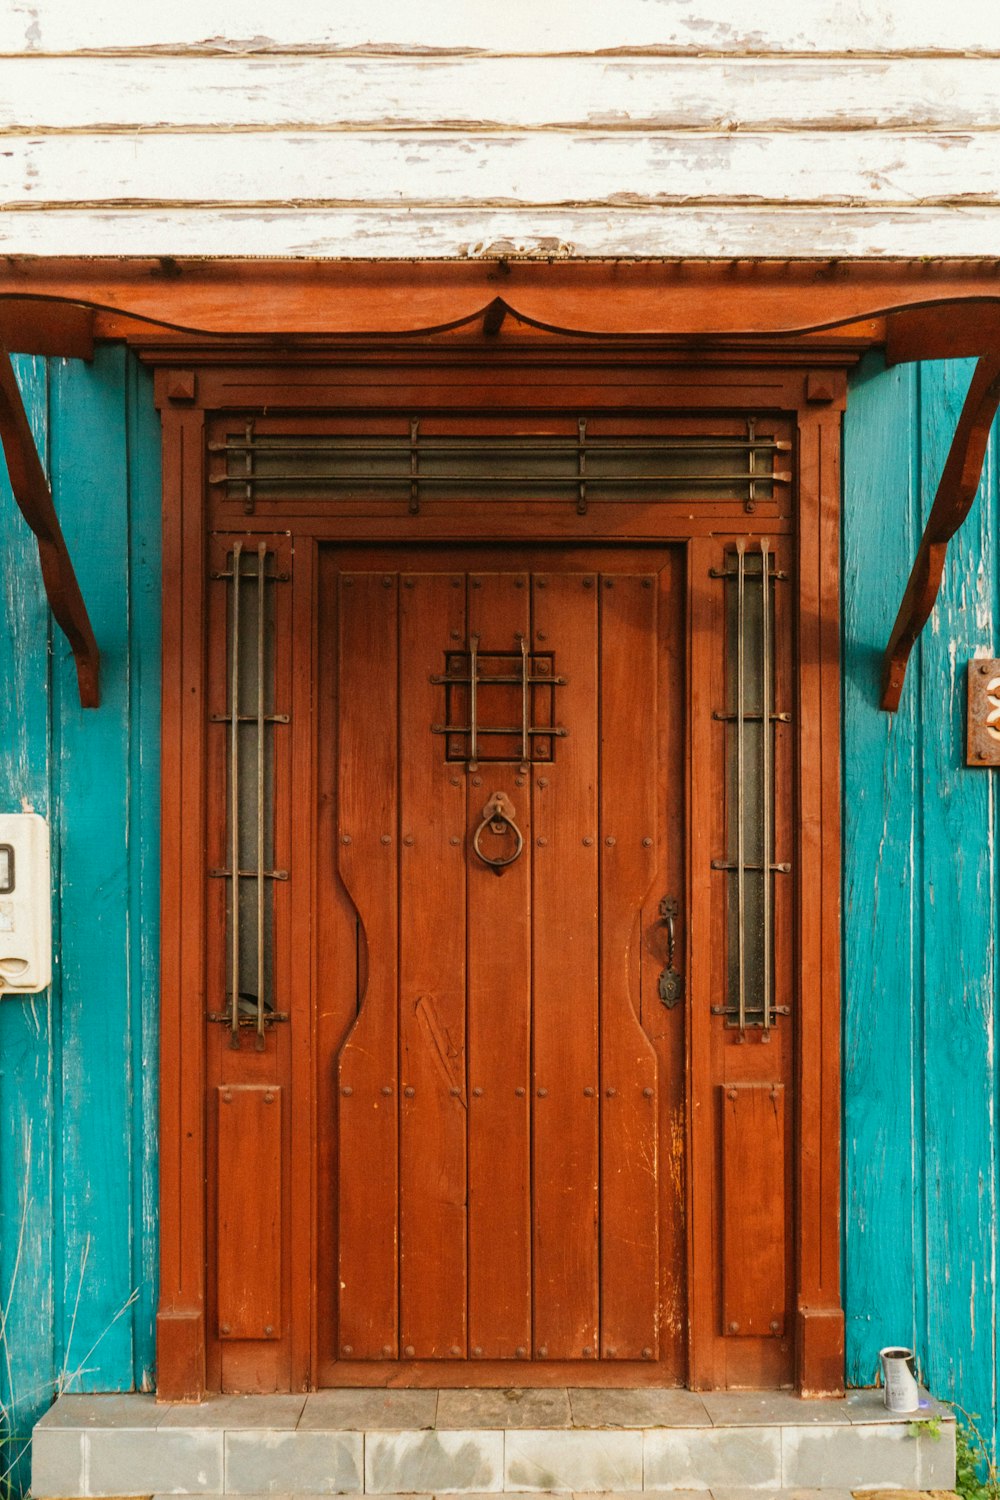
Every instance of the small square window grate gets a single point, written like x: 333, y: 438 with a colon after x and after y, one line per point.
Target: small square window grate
x: 499, y: 706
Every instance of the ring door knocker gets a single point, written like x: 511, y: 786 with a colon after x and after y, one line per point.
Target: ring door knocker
x: 498, y: 817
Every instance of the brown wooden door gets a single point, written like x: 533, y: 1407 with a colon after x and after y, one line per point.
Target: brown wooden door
x: 501, y: 1103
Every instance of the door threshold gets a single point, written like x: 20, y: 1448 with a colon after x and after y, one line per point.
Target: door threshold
x: 425, y: 1442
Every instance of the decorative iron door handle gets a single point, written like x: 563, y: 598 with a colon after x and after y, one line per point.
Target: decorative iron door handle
x: 498, y: 817
x: 671, y: 984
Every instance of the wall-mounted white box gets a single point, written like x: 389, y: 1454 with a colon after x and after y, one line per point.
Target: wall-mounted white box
x: 25, y: 904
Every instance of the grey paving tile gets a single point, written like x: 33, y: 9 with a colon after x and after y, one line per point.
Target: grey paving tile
x: 503, y: 1409
x: 439, y: 1462
x: 850, y: 1457
x: 131, y: 1462
x: 632, y: 1495
x: 576, y: 1460
x: 57, y: 1462
x: 653, y: 1407
x: 773, y: 1493
x: 306, y: 1463
x: 130, y: 1410
x: 770, y: 1409
x: 701, y: 1458
x: 369, y: 1410
x: 869, y: 1406
x: 228, y: 1412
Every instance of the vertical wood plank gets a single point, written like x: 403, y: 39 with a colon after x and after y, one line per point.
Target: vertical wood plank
x: 248, y: 1207
x: 499, y: 987
x: 432, y: 1163
x: 29, y: 1031
x: 629, y: 1099
x: 566, y: 1062
x: 144, y: 500
x: 367, y: 1066
x: 90, y: 483
x: 881, y: 874
x: 958, y: 887
x: 752, y: 1142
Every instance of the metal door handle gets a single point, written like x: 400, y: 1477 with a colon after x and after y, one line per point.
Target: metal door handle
x: 498, y: 816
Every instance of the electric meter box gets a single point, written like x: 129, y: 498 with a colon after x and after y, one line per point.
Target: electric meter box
x: 25, y: 904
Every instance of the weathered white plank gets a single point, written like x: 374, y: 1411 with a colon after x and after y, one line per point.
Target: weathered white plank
x: 722, y: 233
x: 517, y: 26
x: 870, y: 167
x: 668, y: 93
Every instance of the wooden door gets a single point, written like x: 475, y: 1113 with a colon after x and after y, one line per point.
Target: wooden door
x: 501, y: 1101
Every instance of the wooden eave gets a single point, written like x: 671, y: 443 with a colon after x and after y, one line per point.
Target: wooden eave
x: 915, y: 309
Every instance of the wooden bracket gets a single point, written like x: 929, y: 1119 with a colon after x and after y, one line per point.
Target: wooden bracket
x: 955, y: 494
x: 34, y: 500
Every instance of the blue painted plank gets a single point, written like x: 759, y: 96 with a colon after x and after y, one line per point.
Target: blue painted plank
x: 883, y: 1251
x: 26, y: 1078
x: 958, y: 887
x: 88, y: 447
x: 144, y: 845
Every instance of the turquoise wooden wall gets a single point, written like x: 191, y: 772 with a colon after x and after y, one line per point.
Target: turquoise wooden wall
x: 78, y: 1063
x: 920, y: 908
x: 78, y: 1066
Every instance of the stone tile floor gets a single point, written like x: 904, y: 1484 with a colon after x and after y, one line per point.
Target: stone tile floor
x: 429, y: 1442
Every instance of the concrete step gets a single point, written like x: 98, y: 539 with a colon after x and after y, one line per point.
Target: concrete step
x: 490, y: 1442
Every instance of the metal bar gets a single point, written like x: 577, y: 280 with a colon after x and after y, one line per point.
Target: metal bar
x: 732, y: 1010
x: 561, y: 445
x: 525, y: 705
x: 234, y: 800
x: 248, y: 874
x: 779, y: 867
x: 765, y: 773
x: 483, y: 682
x: 779, y: 718
x: 484, y: 729
x: 581, y: 466
x: 778, y: 575
x: 248, y: 718
x: 478, y: 478
x: 473, y: 729
x: 414, y: 467
x: 751, y: 457
x: 248, y: 466
x: 740, y: 849
x: 261, y: 705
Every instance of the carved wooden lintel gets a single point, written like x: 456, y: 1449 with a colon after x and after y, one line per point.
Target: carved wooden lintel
x: 34, y: 500
x: 955, y: 494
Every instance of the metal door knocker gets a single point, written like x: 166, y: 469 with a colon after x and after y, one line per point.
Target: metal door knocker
x: 498, y: 817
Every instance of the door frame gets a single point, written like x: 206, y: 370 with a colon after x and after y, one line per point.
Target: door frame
x: 808, y: 384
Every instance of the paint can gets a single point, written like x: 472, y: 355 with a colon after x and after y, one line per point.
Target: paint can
x: 899, y: 1378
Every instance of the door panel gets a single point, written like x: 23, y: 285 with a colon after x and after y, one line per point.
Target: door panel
x: 499, y: 1009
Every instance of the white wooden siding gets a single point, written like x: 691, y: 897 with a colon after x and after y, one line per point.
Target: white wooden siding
x: 574, y: 127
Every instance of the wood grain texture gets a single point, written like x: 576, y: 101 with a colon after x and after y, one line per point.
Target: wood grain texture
x: 920, y: 898
x: 248, y: 1208
x: 368, y: 1066
x: 630, y: 1149
x: 566, y: 984
x: 801, y: 233
x: 432, y: 970
x: 70, y: 1083
x: 890, y: 169
x: 499, y: 1010
x: 752, y: 1142
x: 185, y: 92
x: 797, y: 26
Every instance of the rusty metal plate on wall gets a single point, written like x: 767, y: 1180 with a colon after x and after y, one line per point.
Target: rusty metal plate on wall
x: 983, y: 738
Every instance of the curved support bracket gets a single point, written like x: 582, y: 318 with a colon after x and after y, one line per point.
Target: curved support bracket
x: 34, y: 500
x: 955, y: 494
